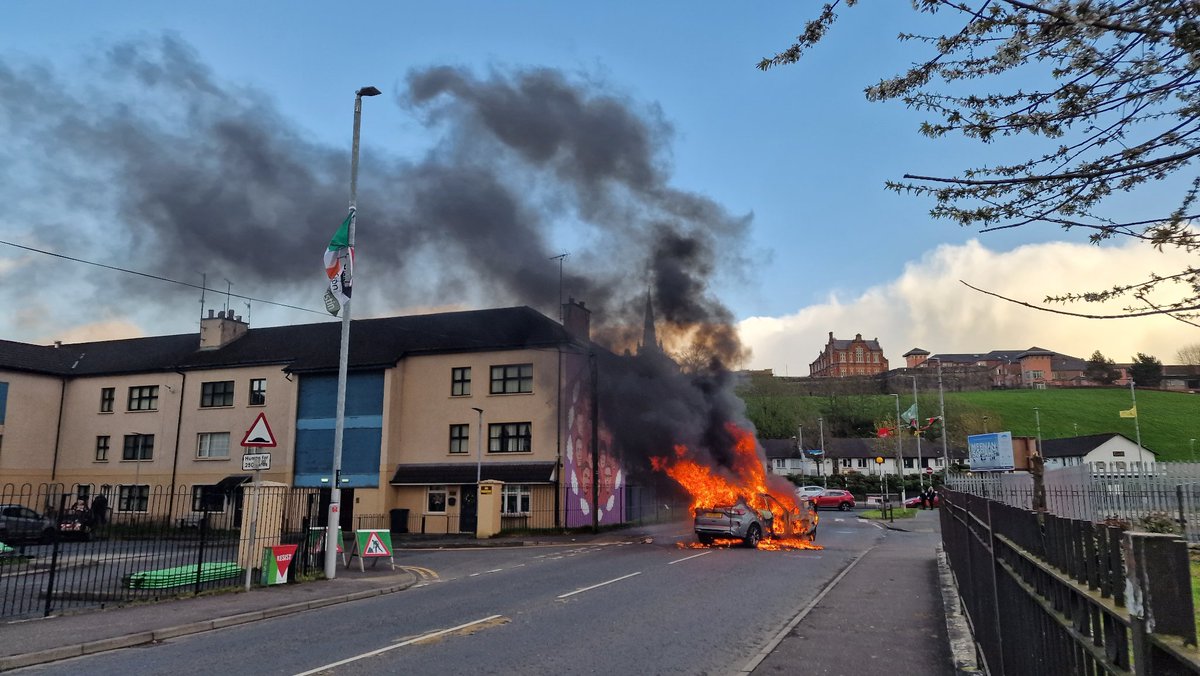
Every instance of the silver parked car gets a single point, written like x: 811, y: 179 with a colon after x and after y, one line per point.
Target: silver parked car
x: 18, y: 522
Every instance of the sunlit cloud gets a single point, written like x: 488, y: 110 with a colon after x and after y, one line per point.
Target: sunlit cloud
x: 928, y: 307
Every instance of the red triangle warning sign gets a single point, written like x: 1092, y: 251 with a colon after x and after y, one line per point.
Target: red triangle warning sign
x: 259, y: 435
x: 375, y: 546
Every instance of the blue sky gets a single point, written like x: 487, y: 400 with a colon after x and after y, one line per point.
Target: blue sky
x: 798, y: 149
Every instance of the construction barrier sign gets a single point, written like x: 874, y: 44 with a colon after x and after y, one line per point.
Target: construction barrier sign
x: 275, y: 563
x: 373, y: 544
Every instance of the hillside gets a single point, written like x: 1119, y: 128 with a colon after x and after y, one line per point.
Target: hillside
x: 1168, y: 420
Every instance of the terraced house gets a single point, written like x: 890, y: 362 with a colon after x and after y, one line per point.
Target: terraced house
x: 433, y: 402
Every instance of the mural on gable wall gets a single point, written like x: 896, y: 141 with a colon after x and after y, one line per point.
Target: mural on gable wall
x: 577, y: 463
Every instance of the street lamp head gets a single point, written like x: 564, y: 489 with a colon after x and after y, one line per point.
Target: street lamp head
x: 368, y: 91
x: 477, y: 409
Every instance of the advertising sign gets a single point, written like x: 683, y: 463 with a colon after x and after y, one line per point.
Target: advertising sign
x: 991, y: 452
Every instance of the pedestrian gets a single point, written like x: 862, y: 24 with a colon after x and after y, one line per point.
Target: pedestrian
x: 100, y: 509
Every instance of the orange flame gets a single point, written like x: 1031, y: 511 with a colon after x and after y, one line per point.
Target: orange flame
x: 746, y: 480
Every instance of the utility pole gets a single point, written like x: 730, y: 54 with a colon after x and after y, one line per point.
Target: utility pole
x: 1136, y: 425
x: 560, y: 258
x: 821, y: 427
x: 945, y: 429
x: 899, y: 453
x: 917, y: 418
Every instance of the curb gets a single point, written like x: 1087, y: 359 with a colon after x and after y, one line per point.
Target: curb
x: 962, y: 642
x: 156, y: 635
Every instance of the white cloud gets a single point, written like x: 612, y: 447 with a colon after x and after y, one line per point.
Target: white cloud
x: 928, y: 307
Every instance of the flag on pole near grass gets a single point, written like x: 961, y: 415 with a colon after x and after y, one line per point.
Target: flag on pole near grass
x: 339, y: 266
x: 910, y: 416
x: 1131, y: 413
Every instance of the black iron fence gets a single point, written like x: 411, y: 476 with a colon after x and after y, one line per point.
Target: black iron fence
x: 89, y: 546
x: 1052, y: 595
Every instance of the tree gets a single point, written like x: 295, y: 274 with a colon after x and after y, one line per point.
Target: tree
x: 1146, y: 370
x: 1114, y: 89
x: 1189, y: 354
x: 1100, y: 369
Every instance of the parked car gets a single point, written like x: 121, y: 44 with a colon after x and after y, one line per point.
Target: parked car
x: 809, y: 491
x: 915, y: 501
x: 18, y: 522
x: 835, y: 497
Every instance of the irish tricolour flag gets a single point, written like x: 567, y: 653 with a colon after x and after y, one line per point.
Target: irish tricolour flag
x: 339, y: 267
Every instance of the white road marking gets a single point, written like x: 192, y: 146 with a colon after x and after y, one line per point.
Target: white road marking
x: 410, y: 641
x: 689, y: 557
x: 580, y: 591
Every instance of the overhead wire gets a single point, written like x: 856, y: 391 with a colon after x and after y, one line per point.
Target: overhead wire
x: 158, y: 277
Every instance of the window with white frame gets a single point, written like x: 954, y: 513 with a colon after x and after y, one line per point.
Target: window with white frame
x: 510, y: 437
x: 102, y: 443
x: 514, y: 500
x: 847, y: 462
x: 908, y: 463
x: 1100, y: 466
x: 143, y: 398
x: 460, y: 438
x: 512, y: 379
x: 133, y: 498
x: 212, y: 445
x: 861, y: 462
x: 435, y: 500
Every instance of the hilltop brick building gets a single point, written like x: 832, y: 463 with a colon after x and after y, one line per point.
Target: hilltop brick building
x: 842, y: 358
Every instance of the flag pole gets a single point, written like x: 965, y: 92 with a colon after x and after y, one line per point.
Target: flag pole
x: 333, y: 518
x: 1137, y: 427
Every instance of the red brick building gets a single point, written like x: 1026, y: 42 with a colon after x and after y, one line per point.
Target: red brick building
x: 842, y: 358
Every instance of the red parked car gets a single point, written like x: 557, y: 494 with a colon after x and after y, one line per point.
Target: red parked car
x: 835, y: 497
x: 915, y: 502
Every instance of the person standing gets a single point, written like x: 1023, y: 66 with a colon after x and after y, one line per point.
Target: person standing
x: 100, y: 509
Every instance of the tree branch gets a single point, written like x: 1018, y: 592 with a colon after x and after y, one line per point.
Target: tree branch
x: 1147, y: 313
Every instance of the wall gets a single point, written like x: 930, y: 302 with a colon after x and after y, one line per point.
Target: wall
x: 27, y: 433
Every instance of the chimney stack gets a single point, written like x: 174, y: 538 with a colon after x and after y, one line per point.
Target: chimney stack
x: 577, y: 319
x: 217, y: 332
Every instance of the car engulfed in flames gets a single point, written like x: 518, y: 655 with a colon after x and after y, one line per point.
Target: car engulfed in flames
x: 741, y: 503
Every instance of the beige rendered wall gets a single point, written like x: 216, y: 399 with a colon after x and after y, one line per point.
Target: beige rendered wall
x: 29, y: 428
x: 178, y: 413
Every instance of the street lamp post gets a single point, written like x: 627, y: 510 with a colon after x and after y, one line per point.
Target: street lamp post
x: 899, y: 453
x: 917, y: 418
x: 478, y: 448
x: 339, y: 428
x: 1038, y: 418
x: 945, y: 429
x: 985, y: 427
x: 821, y: 432
x: 1193, y: 443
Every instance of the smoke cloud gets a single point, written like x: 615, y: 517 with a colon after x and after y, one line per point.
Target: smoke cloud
x: 163, y: 167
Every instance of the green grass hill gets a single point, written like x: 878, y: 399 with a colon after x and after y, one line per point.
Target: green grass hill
x: 1168, y: 420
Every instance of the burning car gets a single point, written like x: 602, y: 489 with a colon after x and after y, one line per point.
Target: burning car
x: 751, y: 524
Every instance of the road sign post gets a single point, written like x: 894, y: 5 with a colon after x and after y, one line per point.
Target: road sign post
x: 258, y: 436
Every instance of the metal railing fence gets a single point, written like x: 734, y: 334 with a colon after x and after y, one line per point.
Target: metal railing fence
x: 1049, y: 595
x: 62, y: 553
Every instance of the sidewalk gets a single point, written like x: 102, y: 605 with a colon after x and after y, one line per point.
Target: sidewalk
x: 885, y: 616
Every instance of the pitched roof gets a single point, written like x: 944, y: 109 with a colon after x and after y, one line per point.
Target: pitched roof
x: 1071, y: 447
x: 780, y: 448
x: 374, y: 343
x: 916, y: 351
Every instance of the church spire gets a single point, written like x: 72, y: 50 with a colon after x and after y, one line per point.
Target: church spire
x: 649, y: 337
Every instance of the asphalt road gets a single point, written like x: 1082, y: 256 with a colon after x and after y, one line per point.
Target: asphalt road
x: 645, y: 608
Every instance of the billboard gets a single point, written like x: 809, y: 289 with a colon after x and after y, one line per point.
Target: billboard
x: 991, y: 452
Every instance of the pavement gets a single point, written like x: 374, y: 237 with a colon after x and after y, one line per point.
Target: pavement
x: 885, y: 613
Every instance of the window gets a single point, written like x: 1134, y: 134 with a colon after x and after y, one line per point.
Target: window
x: 102, y: 443
x: 138, y: 447
x: 460, y: 436
x: 133, y: 498
x: 212, y: 445
x: 435, y: 500
x: 858, y: 354
x: 1100, y: 467
x: 258, y: 391
x: 107, y: 396
x: 1119, y: 466
x: 512, y: 379
x: 218, y: 393
x: 908, y: 463
x: 510, y: 438
x: 460, y: 381
x: 862, y: 462
x: 514, y: 500
x: 207, y: 499
x: 143, y: 398
x: 937, y: 462
x: 846, y: 462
